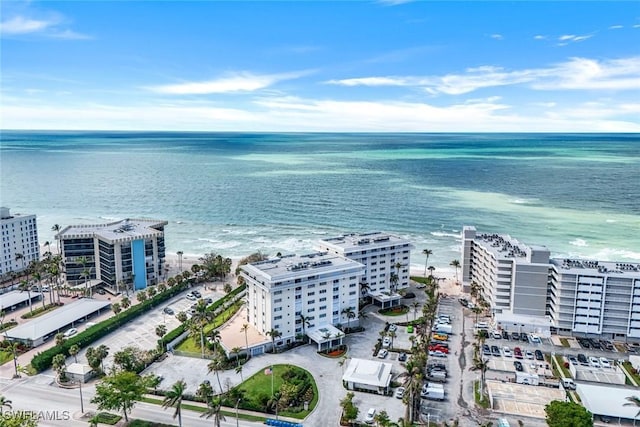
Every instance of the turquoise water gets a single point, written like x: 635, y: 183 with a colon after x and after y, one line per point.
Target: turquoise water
x: 236, y: 193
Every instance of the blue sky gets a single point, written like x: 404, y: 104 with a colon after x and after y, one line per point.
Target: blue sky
x: 321, y: 66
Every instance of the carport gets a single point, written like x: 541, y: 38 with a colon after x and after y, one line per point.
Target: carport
x: 14, y: 299
x: 34, y: 331
x: 598, y: 375
x: 519, y: 399
x: 385, y: 299
x: 608, y: 401
x: 326, y: 334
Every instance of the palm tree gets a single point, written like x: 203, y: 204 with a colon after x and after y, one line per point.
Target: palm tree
x: 236, y: 351
x: 205, y: 391
x: 24, y: 287
x: 392, y: 335
x: 455, y: 264
x: 633, y: 401
x: 351, y: 314
x: 214, y: 410
x: 4, y: 402
x: 245, y: 329
x: 173, y: 399
x: 364, y: 288
x: 60, y: 339
x: 393, y: 279
x: 125, y: 302
x: 56, y: 229
x: 274, y: 334
x: 415, y: 306
x: 426, y: 252
x: 431, y: 270
x: 73, y: 351
x: 239, y: 371
x: 161, y: 331
x: 216, y: 365
x: 305, y: 322
x: 59, y: 365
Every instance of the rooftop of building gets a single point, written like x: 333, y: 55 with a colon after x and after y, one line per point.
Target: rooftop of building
x: 13, y: 298
x: 290, y: 266
x: 123, y: 230
x: 376, y: 239
x: 368, y: 372
x: 585, y: 266
x: 56, y: 320
x: 504, y: 246
x: 5, y: 213
x: 608, y: 400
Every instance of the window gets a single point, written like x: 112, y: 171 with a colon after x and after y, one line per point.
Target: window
x: 277, y: 293
x: 323, y: 299
x: 276, y: 301
x: 311, y: 310
x: 277, y: 318
x: 311, y: 301
x: 277, y: 309
x: 323, y: 307
x: 322, y: 316
x: 323, y: 291
x: 310, y: 294
x: 352, y: 293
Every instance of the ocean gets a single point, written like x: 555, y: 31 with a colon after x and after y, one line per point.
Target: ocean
x: 237, y: 193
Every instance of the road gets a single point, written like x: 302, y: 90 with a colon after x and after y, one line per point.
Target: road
x: 61, y: 407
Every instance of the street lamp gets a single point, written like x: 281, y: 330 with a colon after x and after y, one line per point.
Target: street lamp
x: 81, y: 402
x: 237, y: 420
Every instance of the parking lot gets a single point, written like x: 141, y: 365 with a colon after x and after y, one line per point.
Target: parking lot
x: 524, y: 400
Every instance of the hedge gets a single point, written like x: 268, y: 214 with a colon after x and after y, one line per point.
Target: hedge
x: 43, y: 360
x: 175, y: 333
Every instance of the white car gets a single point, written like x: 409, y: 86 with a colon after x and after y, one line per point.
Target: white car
x: 382, y: 354
x: 393, y: 327
x: 400, y: 392
x: 386, y: 342
x: 70, y: 332
x: 371, y: 413
x: 528, y: 354
x: 604, y: 362
x: 594, y: 362
x: 507, y: 352
x: 191, y: 297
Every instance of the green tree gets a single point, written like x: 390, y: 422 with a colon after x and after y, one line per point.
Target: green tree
x: 116, y: 308
x: 173, y: 399
x: 455, y: 264
x: 129, y: 359
x: 567, y: 414
x: 349, y: 410
x: 161, y: 330
x: 633, y: 401
x: 73, y: 351
x: 60, y: 339
x: 205, y: 391
x: 59, y: 365
x: 4, y: 402
x: 125, y: 302
x: 216, y: 365
x: 152, y: 291
x: 426, y: 252
x: 16, y: 419
x: 214, y: 409
x: 141, y: 296
x: 119, y: 391
x: 200, y: 319
x: 245, y: 329
x: 382, y: 418
x: 227, y: 288
x: 351, y: 314
x: 274, y: 334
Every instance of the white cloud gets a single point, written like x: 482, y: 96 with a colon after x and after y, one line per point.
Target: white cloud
x: 232, y: 83
x: 288, y: 113
x: 574, y: 74
x: 69, y: 35
x: 539, y: 37
x: 616, y: 27
x: 497, y: 36
x: 572, y: 38
x: 394, y: 2
x: 22, y: 25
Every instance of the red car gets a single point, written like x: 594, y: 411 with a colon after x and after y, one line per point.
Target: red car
x: 517, y: 353
x: 439, y: 348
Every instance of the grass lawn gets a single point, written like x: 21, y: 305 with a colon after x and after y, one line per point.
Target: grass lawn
x: 560, y: 362
x: 39, y: 311
x: 258, y: 388
x: 564, y: 342
x: 192, y: 344
x: 629, y: 367
x: 107, y: 418
x: 8, y: 325
x: 143, y: 423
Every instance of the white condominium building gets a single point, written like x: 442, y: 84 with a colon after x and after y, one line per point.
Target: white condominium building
x: 130, y: 250
x: 318, y: 286
x: 385, y: 257
x: 595, y: 297
x: 19, y: 241
x: 512, y: 276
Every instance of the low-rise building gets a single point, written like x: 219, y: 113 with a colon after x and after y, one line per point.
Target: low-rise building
x: 367, y: 375
x: 292, y: 293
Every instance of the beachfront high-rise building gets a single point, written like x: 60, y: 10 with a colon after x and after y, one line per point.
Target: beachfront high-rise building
x: 385, y: 257
x: 321, y: 287
x: 512, y: 276
x: 19, y: 241
x: 114, y: 254
x: 595, y: 298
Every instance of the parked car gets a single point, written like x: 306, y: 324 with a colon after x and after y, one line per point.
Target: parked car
x: 382, y: 353
x: 393, y: 327
x: 486, y: 350
x: 524, y: 337
x: 371, y: 414
x: 438, y: 353
x: 438, y: 348
x: 535, y: 339
x: 604, y: 362
x: 505, y: 335
x: 168, y: 310
x: 506, y: 351
x: 402, y: 357
x: 495, y: 351
x: 539, y: 355
x: 100, y: 291
x: 386, y: 342
x: 517, y: 353
x: 208, y: 300
x: 463, y: 302
x: 496, y: 335
x: 594, y: 362
x: 583, y: 359
x: 572, y: 360
x: 515, y: 336
x: 518, y: 365
x: 70, y: 332
x: 197, y: 294
x: 528, y: 354
x: 191, y: 297
x: 399, y: 392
